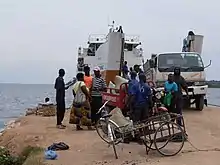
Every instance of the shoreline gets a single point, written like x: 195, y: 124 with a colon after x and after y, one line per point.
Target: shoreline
x: 11, y: 124
x: 15, y: 122
x: 202, y: 128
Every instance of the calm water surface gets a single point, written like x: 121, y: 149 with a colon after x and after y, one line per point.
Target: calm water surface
x: 15, y: 98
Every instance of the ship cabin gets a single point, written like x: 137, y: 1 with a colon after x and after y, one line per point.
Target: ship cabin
x: 131, y: 42
x: 94, y: 41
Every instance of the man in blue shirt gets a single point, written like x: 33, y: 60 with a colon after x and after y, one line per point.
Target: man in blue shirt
x: 170, y: 85
x: 170, y: 88
x: 141, y: 99
x: 131, y: 83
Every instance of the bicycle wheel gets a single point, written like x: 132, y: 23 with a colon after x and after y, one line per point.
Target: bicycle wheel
x: 102, y: 130
x: 169, y: 133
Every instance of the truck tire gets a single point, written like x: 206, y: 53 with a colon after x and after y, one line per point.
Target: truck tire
x: 199, y: 100
x: 186, y: 104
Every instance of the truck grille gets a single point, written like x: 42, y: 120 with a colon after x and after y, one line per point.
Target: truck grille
x: 190, y: 83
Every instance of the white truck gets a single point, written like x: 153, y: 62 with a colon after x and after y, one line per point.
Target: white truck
x: 192, y: 68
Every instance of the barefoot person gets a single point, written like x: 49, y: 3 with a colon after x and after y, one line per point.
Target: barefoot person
x: 60, y: 98
x: 81, y: 111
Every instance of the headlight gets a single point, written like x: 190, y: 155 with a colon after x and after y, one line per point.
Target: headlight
x: 200, y: 83
x: 162, y: 93
x: 158, y: 95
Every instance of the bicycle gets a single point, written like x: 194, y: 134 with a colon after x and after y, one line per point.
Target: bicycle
x: 156, y: 134
x: 107, y: 127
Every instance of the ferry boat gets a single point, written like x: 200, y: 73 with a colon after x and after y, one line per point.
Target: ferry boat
x: 110, y: 51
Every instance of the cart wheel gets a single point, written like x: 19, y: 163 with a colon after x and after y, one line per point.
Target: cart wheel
x: 149, y: 138
x: 102, y: 130
x: 169, y: 134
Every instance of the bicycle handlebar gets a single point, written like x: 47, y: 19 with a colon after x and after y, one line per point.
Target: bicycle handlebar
x: 103, y: 106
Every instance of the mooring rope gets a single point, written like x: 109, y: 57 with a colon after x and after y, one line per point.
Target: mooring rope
x: 200, y: 150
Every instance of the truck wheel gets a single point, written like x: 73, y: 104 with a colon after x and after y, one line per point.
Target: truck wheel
x: 186, y: 104
x: 199, y: 102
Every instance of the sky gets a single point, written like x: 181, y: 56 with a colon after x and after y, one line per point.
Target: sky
x: 40, y: 36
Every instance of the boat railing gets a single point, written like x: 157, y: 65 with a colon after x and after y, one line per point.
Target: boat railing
x: 97, y: 38
x: 132, y: 38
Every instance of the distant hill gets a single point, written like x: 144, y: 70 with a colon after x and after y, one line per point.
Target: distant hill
x: 213, y: 84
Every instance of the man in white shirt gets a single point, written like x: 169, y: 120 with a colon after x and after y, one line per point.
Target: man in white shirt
x: 46, y: 102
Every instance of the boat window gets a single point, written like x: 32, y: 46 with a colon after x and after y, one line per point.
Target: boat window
x: 80, y: 64
x: 128, y: 47
x: 91, y: 50
x: 97, y: 46
x: 188, y: 62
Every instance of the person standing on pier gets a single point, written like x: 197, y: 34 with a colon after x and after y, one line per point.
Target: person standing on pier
x: 137, y: 70
x: 87, y: 77
x: 133, y: 81
x: 125, y: 70
x: 81, y: 112
x: 60, y: 98
x: 170, y: 88
x: 141, y: 99
x: 98, y: 86
x: 181, y: 83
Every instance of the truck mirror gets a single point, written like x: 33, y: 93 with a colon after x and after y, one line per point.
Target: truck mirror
x: 210, y: 63
x: 155, y: 62
x: 151, y: 63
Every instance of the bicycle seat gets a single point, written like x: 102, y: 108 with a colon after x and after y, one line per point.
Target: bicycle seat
x: 107, y: 116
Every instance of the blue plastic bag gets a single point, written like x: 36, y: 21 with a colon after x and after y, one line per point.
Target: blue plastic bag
x: 50, y: 155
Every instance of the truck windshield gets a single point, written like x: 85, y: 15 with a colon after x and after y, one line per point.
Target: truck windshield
x: 188, y: 62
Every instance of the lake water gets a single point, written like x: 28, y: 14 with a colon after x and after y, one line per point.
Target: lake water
x: 15, y: 98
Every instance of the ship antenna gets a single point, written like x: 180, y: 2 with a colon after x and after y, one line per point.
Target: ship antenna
x: 113, y: 25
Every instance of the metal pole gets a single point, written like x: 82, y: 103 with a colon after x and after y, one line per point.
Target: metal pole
x: 122, y: 50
